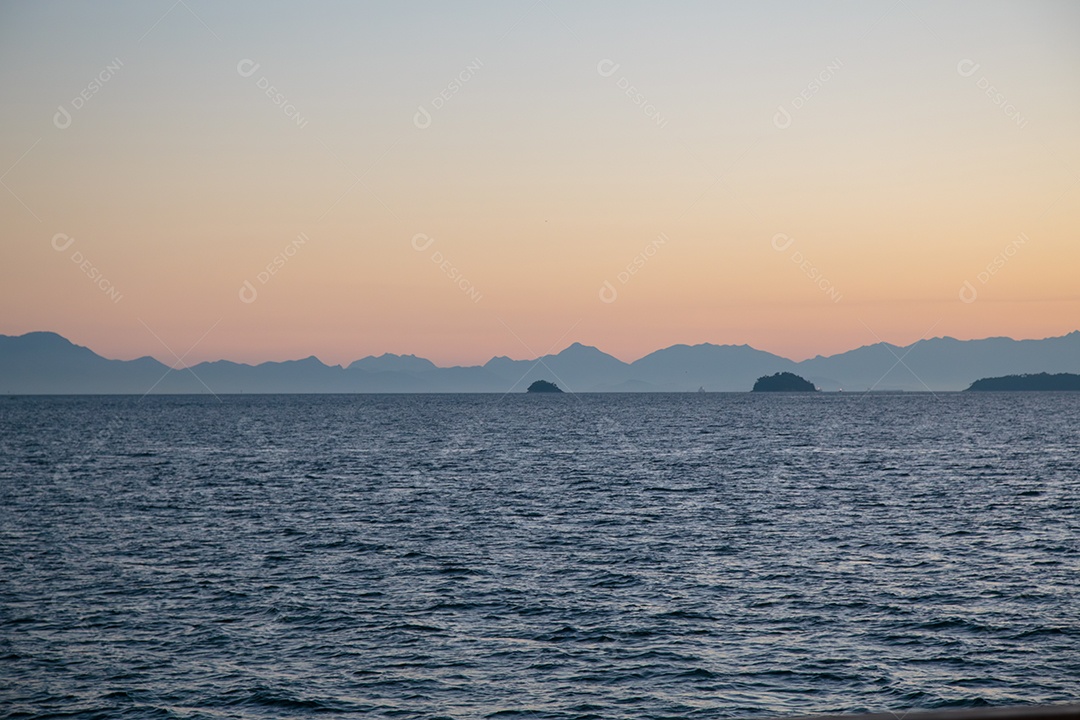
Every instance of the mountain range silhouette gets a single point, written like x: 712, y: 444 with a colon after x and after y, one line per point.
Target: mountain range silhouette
x: 47, y: 363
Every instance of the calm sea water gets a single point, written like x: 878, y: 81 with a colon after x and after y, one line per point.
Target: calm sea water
x: 607, y: 556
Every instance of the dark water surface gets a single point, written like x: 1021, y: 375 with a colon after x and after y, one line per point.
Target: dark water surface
x: 608, y: 556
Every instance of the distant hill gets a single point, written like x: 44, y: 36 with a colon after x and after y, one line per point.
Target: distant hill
x: 684, y: 368
x: 1039, y: 381
x: 578, y: 368
x: 543, y: 386
x: 388, y: 362
x: 941, y: 363
x: 783, y: 382
x: 46, y: 363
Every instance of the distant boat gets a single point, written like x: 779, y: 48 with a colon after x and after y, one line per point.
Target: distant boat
x: 701, y: 389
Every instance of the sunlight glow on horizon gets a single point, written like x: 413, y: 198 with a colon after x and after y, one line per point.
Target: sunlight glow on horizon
x: 802, y: 180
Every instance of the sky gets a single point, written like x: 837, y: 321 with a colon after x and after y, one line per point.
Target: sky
x: 195, y: 180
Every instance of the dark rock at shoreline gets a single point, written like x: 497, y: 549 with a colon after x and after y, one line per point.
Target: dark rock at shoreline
x: 543, y: 386
x: 1037, y: 381
x: 783, y: 382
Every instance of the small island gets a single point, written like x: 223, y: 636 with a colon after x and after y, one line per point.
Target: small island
x: 543, y: 386
x: 1035, y: 382
x: 783, y: 382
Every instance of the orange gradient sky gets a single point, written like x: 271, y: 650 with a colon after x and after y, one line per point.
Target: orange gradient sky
x: 819, y: 177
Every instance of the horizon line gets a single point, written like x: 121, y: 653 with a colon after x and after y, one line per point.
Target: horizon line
x: 550, y: 354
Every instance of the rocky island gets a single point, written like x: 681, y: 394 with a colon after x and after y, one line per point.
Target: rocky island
x: 783, y: 382
x: 543, y: 386
x: 1037, y: 381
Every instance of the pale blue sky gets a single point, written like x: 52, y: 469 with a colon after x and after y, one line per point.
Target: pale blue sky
x: 900, y: 176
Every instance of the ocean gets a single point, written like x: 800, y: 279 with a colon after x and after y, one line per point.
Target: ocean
x: 537, y: 556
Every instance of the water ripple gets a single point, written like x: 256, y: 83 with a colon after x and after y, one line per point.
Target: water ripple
x: 698, y: 556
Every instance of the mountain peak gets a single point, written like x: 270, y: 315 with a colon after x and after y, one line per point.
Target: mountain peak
x: 45, y: 362
x: 587, y: 354
x: 579, y: 348
x: 41, y: 337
